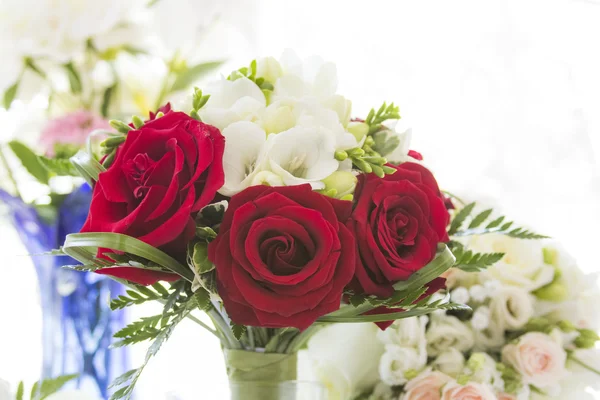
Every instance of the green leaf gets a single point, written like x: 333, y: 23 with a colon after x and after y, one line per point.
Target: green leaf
x: 357, y: 299
x: 30, y: 161
x: 87, y: 167
x: 460, y: 218
x: 474, y: 262
x: 75, y: 243
x: 480, y: 218
x: 189, y: 76
x: 385, y: 142
x: 20, y: 391
x: 40, y: 391
x: 175, y: 296
x: 29, y: 63
x: 58, y: 166
x: 10, y: 94
x: 143, y: 296
x: 74, y: 78
x: 107, y: 97
x: 238, y: 330
x: 200, y: 259
x: 414, y: 312
x: 202, y: 298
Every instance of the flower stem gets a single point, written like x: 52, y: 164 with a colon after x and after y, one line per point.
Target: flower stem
x: 584, y: 365
x: 9, y: 172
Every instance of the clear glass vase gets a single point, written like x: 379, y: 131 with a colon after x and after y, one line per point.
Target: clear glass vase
x: 288, y: 390
x: 256, y: 375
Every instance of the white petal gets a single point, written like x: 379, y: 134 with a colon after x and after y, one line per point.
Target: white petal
x: 225, y: 93
x: 244, y: 142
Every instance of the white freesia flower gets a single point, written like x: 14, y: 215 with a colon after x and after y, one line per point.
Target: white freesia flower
x: 478, y: 293
x: 460, y: 295
x: 450, y: 362
x: 346, y: 367
x: 427, y: 386
x: 538, y: 358
x: 470, y: 391
x: 447, y: 331
x: 399, y: 363
x: 232, y: 101
x: 302, y: 155
x: 404, y: 137
x: 512, y: 307
x: 243, y: 157
x: 523, y: 264
x: 382, y: 391
x: 269, y: 69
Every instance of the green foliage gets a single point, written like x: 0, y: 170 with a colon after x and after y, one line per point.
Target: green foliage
x: 20, y: 391
x: 476, y: 225
x: 142, y: 295
x: 107, y: 97
x: 386, y: 112
x: 238, y: 330
x: 74, y: 78
x: 198, y: 101
x: 469, y: 261
x: 30, y: 161
x: 120, y: 126
x: 250, y: 73
x: 366, y: 160
x: 125, y: 384
x: 189, y: 75
x: 45, y: 388
x: 58, y: 166
x: 10, y: 94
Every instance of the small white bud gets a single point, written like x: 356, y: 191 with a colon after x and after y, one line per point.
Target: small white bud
x: 478, y: 293
x: 481, y: 318
x: 460, y: 295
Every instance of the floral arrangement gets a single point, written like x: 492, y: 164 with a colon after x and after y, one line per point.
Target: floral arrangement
x: 269, y: 208
x: 529, y: 333
x: 50, y: 389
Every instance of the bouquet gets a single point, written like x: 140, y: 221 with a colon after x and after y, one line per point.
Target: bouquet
x: 529, y: 333
x: 267, y: 206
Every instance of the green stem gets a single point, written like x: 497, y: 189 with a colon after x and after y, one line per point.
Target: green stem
x: 584, y: 365
x: 224, y: 328
x: 9, y: 172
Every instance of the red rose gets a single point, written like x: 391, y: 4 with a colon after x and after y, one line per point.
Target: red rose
x: 162, y: 175
x: 398, y: 221
x: 283, y: 256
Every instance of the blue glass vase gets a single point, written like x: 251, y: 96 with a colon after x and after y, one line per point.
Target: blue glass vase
x: 78, y: 325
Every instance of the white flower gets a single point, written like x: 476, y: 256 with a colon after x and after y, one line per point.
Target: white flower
x: 346, y: 367
x: 460, y: 295
x: 481, y: 318
x: 491, y: 338
x: 269, y: 69
x: 302, y: 155
x: 59, y: 29
x: 407, y: 332
x: 450, y: 362
x: 400, y: 153
x: 470, y: 391
x: 5, y: 390
x: 232, y: 101
x: 512, y: 307
x: 243, y: 158
x: 523, y: 394
x: 398, y: 363
x: 522, y: 265
x: 579, y: 294
x: 381, y: 392
x: 447, y: 331
x: 491, y: 287
x: 538, y: 358
x: 478, y: 293
x: 482, y: 368
x: 427, y: 386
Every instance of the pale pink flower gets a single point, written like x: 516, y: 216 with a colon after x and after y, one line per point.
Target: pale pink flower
x: 538, y: 358
x: 470, y: 391
x: 506, y: 396
x: 72, y: 128
x: 427, y: 386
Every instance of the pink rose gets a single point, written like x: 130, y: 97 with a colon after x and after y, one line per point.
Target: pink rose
x: 538, y: 358
x: 470, y: 391
x: 506, y: 396
x: 427, y: 386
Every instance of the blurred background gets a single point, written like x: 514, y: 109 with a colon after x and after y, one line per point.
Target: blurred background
x: 503, y: 98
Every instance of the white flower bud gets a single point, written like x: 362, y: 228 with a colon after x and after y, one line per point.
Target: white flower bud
x: 450, y: 362
x: 460, y: 295
x: 268, y: 68
x: 512, y: 307
x: 478, y: 293
x: 481, y: 318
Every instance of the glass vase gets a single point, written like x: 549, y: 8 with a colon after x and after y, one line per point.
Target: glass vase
x: 256, y: 375
x: 77, y: 323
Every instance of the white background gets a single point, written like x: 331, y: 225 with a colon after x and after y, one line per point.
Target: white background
x: 504, y: 101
